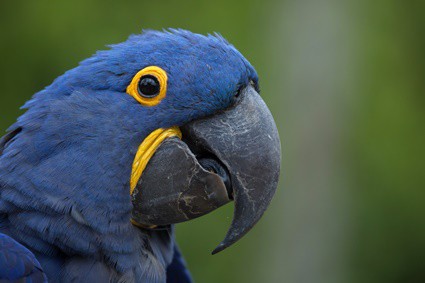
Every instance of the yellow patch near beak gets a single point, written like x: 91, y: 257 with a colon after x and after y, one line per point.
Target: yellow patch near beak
x: 146, y: 151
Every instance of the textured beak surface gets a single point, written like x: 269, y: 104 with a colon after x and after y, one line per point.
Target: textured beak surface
x: 176, y: 188
x: 234, y: 154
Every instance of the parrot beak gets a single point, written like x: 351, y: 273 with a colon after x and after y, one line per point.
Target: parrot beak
x: 233, y: 155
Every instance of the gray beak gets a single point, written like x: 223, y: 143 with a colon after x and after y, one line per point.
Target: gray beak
x: 233, y: 155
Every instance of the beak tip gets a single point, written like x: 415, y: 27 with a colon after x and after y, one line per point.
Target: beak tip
x: 219, y: 248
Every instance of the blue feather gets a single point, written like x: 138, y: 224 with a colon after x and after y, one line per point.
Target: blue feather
x: 65, y: 164
x: 177, y: 271
x: 17, y: 263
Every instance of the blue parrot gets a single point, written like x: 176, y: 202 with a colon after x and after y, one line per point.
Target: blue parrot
x: 160, y: 129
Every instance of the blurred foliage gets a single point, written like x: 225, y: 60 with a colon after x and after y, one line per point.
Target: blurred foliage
x: 388, y: 145
x: 382, y: 149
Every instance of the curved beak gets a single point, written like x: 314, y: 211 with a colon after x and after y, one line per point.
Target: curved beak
x: 233, y: 155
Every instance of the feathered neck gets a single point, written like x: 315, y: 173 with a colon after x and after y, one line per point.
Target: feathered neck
x: 64, y: 184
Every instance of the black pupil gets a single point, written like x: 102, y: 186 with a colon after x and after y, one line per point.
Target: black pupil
x: 148, y: 86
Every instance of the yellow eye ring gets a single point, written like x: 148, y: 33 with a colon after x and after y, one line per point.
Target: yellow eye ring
x: 150, y: 75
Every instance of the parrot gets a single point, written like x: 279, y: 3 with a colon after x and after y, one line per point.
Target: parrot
x: 160, y: 129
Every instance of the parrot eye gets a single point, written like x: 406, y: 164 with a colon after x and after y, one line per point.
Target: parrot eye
x: 149, y: 86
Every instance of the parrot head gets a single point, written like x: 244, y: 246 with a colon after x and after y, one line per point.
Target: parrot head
x: 160, y: 129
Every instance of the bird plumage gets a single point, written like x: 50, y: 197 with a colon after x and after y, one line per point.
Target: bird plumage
x: 65, y: 164
x: 18, y: 264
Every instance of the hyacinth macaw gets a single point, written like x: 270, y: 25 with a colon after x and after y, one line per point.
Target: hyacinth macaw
x: 160, y: 129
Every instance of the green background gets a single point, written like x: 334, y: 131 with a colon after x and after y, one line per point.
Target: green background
x: 345, y: 82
